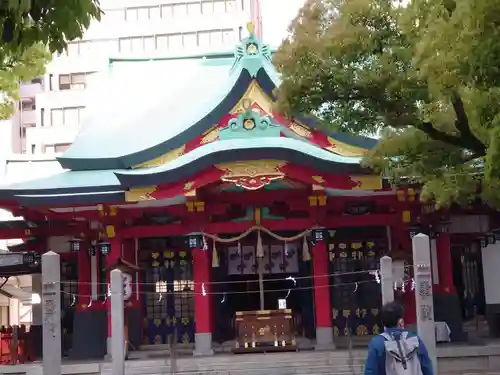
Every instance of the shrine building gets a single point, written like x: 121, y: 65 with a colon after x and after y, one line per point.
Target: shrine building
x: 221, y: 212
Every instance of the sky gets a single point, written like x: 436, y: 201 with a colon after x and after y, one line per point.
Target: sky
x: 276, y: 16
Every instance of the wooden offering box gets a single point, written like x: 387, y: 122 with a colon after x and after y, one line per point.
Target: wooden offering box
x: 264, y: 331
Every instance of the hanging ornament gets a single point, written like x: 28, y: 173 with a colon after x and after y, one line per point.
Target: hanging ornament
x: 90, y: 303
x: 223, y: 297
x: 412, y: 284
x: 294, y: 284
x: 376, y: 275
x: 161, y: 297
x: 356, y: 287
x: 286, y: 248
x: 73, y: 300
x: 204, y: 243
x: 215, y: 256
x: 260, y: 248
x: 203, y: 290
x: 239, y: 248
x: 306, y: 255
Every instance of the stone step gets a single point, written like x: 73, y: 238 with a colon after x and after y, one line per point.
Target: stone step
x: 334, y: 362
x: 290, y: 369
x: 249, y: 361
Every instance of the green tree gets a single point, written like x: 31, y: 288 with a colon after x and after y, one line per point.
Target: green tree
x: 30, y: 31
x: 424, y: 76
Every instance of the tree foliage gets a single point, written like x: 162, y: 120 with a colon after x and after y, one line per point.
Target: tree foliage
x: 424, y: 76
x: 30, y: 30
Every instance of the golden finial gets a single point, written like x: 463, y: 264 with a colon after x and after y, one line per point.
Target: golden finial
x: 250, y: 27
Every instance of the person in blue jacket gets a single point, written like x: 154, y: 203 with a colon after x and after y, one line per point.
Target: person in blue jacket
x: 392, y: 319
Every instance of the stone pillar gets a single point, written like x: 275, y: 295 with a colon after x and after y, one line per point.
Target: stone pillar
x: 202, y: 310
x: 111, y: 258
x: 322, y: 302
x: 386, y: 279
x: 423, y: 294
x: 51, y: 305
x: 117, y: 322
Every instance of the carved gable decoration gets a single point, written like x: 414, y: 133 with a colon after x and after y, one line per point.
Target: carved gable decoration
x: 249, y: 124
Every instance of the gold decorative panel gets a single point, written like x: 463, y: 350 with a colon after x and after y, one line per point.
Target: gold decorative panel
x: 252, y: 175
x: 161, y: 160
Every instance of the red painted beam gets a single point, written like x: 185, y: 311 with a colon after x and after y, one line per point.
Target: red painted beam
x: 273, y: 225
x: 15, y: 233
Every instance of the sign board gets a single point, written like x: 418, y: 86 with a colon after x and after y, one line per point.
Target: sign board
x: 282, y: 304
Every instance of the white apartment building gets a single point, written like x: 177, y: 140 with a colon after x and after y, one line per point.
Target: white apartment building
x: 51, y: 108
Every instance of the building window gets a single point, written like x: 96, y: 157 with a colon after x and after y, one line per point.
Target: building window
x: 194, y: 9
x: 180, y: 10
x: 61, y: 147
x: 219, y: 6
x: 162, y: 42
x: 48, y: 149
x: 155, y: 13
x: 74, y: 81
x: 167, y: 11
x: 114, y: 15
x: 207, y: 6
x: 67, y: 116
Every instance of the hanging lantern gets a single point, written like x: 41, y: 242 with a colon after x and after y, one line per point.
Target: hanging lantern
x: 75, y: 244
x: 195, y: 241
x: 318, y: 235
x: 496, y: 234
x: 483, y: 242
x: 91, y: 250
x: 104, y: 247
x: 444, y: 226
x: 414, y: 231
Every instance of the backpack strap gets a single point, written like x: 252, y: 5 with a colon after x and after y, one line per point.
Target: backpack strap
x: 387, y: 337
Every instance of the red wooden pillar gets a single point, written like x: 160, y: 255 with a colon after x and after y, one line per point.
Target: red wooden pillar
x: 84, y: 277
x: 322, y: 303
x: 202, y: 297
x: 444, y: 263
x: 111, y: 258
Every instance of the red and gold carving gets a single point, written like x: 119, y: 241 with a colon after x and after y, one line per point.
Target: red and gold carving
x: 252, y: 175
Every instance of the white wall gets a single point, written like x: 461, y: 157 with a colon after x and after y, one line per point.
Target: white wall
x: 491, y: 267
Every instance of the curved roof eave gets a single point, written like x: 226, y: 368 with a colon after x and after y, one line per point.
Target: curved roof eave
x: 268, y: 79
x: 279, y: 148
x: 71, y: 199
x: 67, y: 182
x: 230, y: 99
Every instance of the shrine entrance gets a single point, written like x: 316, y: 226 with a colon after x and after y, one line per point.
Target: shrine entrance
x: 248, y: 283
x: 168, y: 287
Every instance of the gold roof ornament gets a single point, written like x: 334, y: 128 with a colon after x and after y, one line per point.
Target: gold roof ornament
x: 250, y: 27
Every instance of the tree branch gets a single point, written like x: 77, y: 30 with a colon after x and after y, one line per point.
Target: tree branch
x: 462, y: 124
x: 444, y: 137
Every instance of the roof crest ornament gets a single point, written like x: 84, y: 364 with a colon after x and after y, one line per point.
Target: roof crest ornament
x: 251, y: 53
x: 249, y: 124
